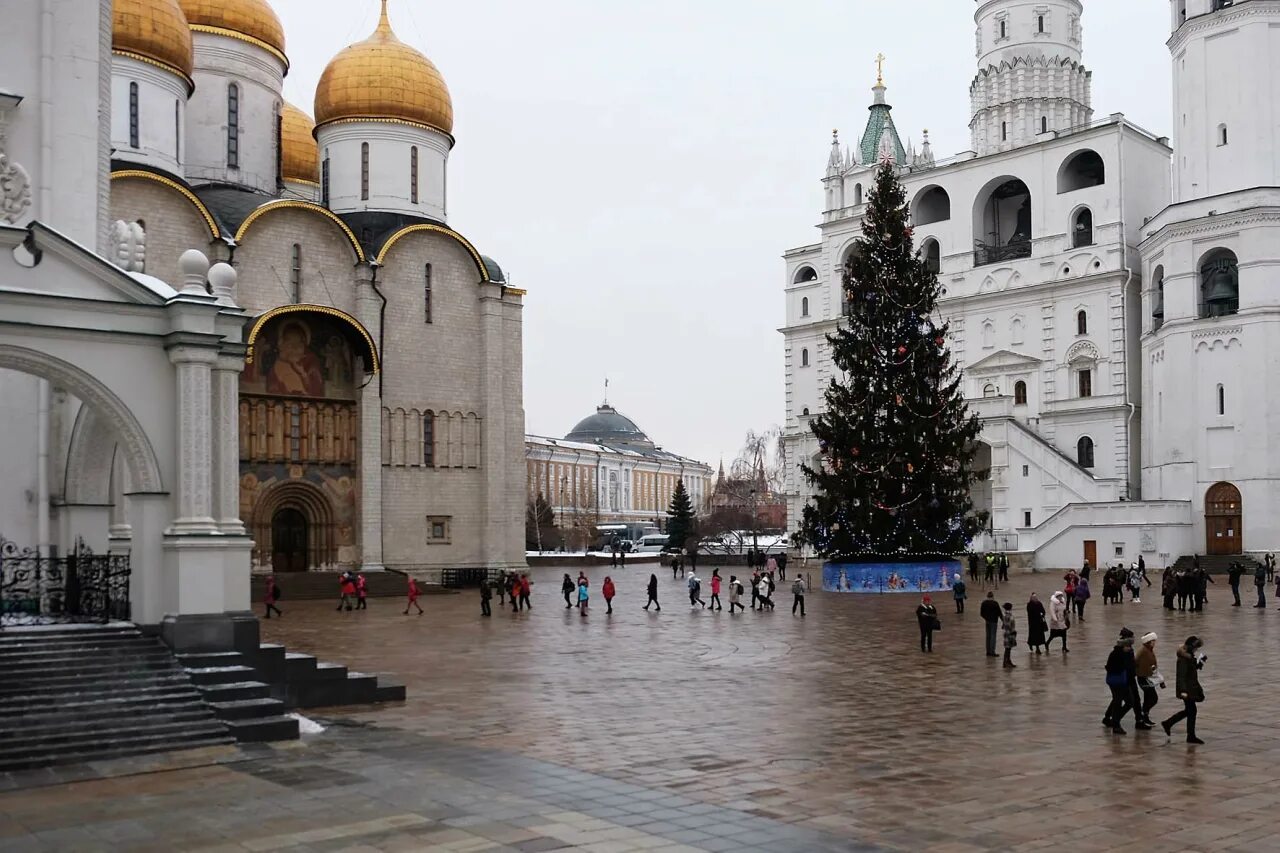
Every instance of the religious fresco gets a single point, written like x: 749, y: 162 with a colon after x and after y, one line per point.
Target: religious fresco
x: 927, y: 576
x: 338, y: 486
x: 299, y: 355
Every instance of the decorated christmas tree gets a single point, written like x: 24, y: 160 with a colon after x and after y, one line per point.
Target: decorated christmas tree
x: 680, y: 519
x: 897, y: 439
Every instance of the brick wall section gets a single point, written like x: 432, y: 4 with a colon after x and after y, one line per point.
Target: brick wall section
x: 173, y: 224
x: 264, y: 260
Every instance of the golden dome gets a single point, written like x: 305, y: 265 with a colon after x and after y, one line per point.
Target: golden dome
x: 380, y: 79
x: 248, y: 20
x: 153, y: 31
x: 299, y: 154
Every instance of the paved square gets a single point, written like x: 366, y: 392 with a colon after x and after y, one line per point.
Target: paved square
x: 696, y: 730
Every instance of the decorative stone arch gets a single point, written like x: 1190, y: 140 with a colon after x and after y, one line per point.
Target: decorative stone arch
x: 367, y: 349
x: 144, y: 466
x: 142, y: 174
x: 1082, y: 351
x: 315, y: 506
x: 90, y: 460
x: 466, y: 244
x: 308, y: 206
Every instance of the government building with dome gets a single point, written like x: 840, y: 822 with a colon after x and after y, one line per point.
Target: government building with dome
x: 379, y: 410
x: 608, y: 475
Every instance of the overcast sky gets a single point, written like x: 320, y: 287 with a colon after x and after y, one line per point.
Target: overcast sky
x: 639, y: 166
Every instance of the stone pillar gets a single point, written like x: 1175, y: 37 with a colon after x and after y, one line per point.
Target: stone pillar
x: 369, y: 313
x: 493, y: 459
x: 194, y: 509
x: 119, y: 531
x: 148, y: 515
x: 226, y: 443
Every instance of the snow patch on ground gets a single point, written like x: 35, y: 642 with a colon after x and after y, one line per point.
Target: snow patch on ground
x: 307, y: 726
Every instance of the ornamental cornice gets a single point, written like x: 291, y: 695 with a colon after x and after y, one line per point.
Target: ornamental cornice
x: 1208, y: 225
x: 1223, y: 17
x: 1217, y: 333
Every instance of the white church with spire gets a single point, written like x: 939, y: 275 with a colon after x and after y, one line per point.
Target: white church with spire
x: 1089, y: 288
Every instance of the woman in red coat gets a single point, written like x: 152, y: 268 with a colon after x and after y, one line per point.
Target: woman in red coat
x: 348, y: 588
x: 608, y: 592
x: 413, y: 597
x: 272, y: 596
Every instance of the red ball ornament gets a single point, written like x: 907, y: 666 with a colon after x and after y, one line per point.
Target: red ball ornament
x: 939, y: 340
x: 902, y: 350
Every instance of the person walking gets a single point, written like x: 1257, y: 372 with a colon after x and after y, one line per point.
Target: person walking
x: 1234, y: 572
x: 608, y: 591
x: 1059, y: 619
x: 960, y: 591
x: 502, y: 585
x: 1149, y: 678
x: 990, y: 612
x: 568, y: 587
x: 1004, y: 567
x: 1190, y: 662
x: 1259, y: 580
x: 675, y: 566
x: 764, y: 593
x: 526, y: 587
x: 1010, y: 635
x: 693, y: 557
x: 513, y: 591
x: 797, y: 595
x: 990, y: 575
x: 1270, y: 562
x: 973, y: 567
x: 584, y: 598
x: 486, y: 595
x: 695, y: 591
x: 347, y: 587
x: 362, y: 593
x: 1081, y: 597
x: 271, y: 596
x: 1036, y: 626
x: 613, y: 557
x: 1121, y: 671
x: 735, y: 594
x: 412, y: 594
x: 755, y: 591
x: 653, y: 593
x: 927, y: 616
x: 715, y: 590
x: 782, y: 566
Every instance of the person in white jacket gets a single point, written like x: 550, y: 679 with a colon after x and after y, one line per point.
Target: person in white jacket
x: 763, y: 589
x: 1059, y: 620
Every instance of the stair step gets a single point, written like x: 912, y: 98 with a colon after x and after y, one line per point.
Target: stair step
x: 101, y: 752
x: 53, y: 659
x: 23, y: 651
x: 234, y: 691
x: 90, y: 705
x: 91, y: 693
x: 88, y: 668
x: 82, y: 740
x: 62, y: 685
x: 211, y: 659
x: 220, y: 674
x: 388, y: 690
x: 329, y: 672
x: 39, y: 728
x: 243, y: 709
x: 263, y: 729
x: 44, y: 640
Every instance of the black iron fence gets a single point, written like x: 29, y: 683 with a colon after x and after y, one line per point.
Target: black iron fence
x: 79, y: 587
x: 985, y: 255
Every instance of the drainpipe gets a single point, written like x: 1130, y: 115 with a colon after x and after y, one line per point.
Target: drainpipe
x: 382, y: 325
x: 1124, y: 320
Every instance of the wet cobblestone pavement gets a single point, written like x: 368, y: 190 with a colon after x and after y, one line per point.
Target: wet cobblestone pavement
x: 691, y: 730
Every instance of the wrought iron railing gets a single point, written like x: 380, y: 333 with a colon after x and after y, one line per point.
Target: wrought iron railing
x: 983, y: 254
x: 80, y: 587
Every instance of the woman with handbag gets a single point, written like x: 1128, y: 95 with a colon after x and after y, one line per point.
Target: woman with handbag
x: 1059, y: 619
x: 1190, y: 662
x: 927, y: 616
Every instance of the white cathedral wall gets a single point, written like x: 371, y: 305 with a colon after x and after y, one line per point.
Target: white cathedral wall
x: 18, y: 470
x: 173, y: 225
x: 264, y: 260
x: 390, y: 168
x: 220, y: 61
x: 162, y: 102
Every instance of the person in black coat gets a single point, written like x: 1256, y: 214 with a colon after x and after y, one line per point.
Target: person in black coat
x: 927, y: 616
x: 1037, y: 626
x: 653, y: 593
x: 1122, y: 679
x: 1190, y: 662
x: 990, y: 613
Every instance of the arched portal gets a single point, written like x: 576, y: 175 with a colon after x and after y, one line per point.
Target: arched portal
x: 289, y: 539
x: 293, y: 528
x: 1223, y: 519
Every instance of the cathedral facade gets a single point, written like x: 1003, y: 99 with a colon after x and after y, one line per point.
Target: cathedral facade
x: 1056, y: 238
x: 380, y: 407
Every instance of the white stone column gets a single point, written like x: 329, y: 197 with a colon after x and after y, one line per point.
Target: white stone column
x: 119, y: 531
x: 194, y: 506
x: 226, y: 443
x: 369, y: 313
x: 494, y: 438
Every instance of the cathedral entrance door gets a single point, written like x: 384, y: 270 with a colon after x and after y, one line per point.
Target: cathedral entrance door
x: 1223, y: 517
x: 289, y: 541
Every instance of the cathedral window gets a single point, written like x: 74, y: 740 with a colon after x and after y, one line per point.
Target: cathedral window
x: 1157, y: 300
x: 1039, y: 23
x: 177, y: 130
x: 857, y: 194
x: 805, y: 274
x: 279, y: 147
x: 1082, y: 228
x: 233, y: 126
x: 324, y: 179
x: 1019, y: 393
x: 932, y: 256
x: 1083, y: 170
x: 1004, y: 131
x: 1044, y: 124
x: 1222, y: 400
x: 804, y: 358
x: 1084, y: 382
x: 429, y: 439
x: 1082, y: 323
x: 932, y: 205
x: 804, y: 307
x: 1084, y: 452
x: 426, y: 294
x: 990, y: 390
x: 1015, y: 331
x: 133, y: 115
x: 988, y: 335
x: 295, y: 274
x: 1222, y: 134
x: 364, y: 171
x: 1004, y: 29
x: 413, y: 174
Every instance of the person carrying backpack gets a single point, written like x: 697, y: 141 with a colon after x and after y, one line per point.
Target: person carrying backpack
x: 797, y: 595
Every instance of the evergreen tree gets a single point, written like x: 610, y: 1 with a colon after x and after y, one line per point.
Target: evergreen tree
x: 679, y: 518
x: 897, y: 438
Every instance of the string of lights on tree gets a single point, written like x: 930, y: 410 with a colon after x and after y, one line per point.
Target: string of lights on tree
x: 897, y: 439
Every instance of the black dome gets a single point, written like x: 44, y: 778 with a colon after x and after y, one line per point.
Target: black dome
x: 606, y: 426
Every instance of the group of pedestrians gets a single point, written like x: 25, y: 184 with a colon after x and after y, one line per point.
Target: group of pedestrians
x: 1129, y: 672
x: 1262, y: 575
x: 515, y: 586
x: 766, y: 562
x: 578, y: 593
x: 991, y: 567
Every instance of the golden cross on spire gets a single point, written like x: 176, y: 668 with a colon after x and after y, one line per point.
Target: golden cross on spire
x: 880, y: 69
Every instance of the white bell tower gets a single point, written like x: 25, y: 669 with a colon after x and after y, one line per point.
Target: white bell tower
x: 1030, y: 78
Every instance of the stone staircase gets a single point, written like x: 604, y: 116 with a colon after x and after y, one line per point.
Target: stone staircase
x: 1217, y: 564
x: 85, y: 693
x: 236, y: 683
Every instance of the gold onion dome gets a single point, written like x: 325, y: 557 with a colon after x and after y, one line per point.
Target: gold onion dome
x: 299, y: 154
x: 383, y: 79
x: 253, y: 21
x: 153, y: 31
